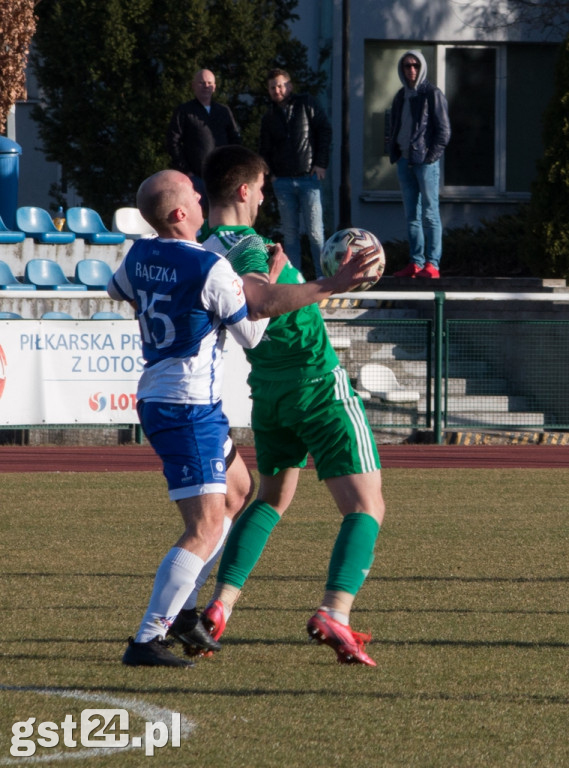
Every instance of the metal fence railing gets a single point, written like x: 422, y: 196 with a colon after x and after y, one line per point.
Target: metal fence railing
x: 514, y: 374
x: 446, y: 373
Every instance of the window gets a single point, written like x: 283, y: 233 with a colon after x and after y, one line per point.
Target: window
x: 496, y: 95
x: 470, y: 89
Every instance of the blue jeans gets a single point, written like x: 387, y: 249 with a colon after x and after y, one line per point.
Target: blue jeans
x: 299, y: 196
x: 420, y: 190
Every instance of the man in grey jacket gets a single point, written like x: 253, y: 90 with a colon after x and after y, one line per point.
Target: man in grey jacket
x: 420, y: 131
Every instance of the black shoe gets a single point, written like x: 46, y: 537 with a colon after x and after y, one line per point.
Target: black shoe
x: 190, y: 631
x: 155, y: 653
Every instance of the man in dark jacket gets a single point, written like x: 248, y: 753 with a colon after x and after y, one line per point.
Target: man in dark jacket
x: 295, y: 143
x: 420, y: 131
x: 197, y: 127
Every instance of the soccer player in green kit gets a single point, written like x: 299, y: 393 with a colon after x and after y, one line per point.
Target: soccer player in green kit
x: 303, y: 403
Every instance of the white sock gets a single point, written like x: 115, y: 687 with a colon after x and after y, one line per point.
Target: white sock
x: 343, y: 618
x: 175, y: 579
x: 192, y: 600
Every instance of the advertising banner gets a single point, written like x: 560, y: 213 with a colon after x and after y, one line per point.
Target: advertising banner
x: 86, y: 372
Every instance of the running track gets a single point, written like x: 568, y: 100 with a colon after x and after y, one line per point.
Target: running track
x: 133, y: 458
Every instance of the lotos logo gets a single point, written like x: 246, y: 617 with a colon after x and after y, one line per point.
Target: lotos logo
x: 97, y: 402
x: 116, y: 401
x: 2, y: 371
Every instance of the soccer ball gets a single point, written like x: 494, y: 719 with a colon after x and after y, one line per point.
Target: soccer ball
x: 355, y: 238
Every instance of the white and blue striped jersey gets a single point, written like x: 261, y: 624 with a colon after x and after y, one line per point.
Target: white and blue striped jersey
x: 184, y: 296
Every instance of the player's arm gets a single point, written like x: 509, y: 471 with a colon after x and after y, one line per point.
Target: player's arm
x: 270, y: 300
x: 223, y: 294
x: 119, y: 287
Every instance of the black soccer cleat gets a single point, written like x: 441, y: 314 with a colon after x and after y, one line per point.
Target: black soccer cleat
x: 155, y: 653
x: 188, y: 628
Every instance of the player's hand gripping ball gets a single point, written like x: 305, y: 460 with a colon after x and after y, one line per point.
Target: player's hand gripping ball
x: 355, y: 238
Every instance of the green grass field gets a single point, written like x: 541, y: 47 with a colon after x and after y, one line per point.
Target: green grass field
x: 467, y: 603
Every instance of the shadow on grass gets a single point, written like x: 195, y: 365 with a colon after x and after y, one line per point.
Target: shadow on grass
x: 263, y: 642
x: 316, y: 578
x: 492, y: 698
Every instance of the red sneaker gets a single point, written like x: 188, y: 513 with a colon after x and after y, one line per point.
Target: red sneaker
x: 429, y: 271
x: 349, y: 645
x: 410, y: 271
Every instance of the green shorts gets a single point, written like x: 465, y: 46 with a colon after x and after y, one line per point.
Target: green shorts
x: 321, y: 416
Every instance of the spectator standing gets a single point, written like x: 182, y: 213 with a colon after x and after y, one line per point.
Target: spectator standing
x: 420, y: 131
x: 197, y: 127
x: 295, y: 143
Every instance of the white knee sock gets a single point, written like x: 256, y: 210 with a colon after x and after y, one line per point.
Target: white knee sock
x: 175, y: 578
x: 192, y: 600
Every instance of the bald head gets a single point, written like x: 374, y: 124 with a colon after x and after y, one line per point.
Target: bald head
x: 168, y: 198
x: 203, y: 86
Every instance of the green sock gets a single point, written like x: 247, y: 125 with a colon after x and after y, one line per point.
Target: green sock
x: 352, y: 555
x: 246, y: 542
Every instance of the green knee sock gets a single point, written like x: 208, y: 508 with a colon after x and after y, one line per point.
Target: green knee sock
x: 246, y: 542
x: 352, y: 555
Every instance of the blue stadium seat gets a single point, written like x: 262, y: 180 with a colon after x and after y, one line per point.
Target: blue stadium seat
x: 56, y: 316
x: 10, y: 235
x: 47, y: 274
x: 36, y: 222
x: 93, y: 273
x: 86, y: 223
x: 107, y: 316
x: 10, y: 283
x: 10, y: 316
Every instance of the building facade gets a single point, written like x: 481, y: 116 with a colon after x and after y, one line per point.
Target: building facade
x: 498, y: 78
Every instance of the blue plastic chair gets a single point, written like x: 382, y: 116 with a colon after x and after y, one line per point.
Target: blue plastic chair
x: 10, y: 235
x: 10, y: 283
x: 47, y: 274
x: 10, y: 316
x: 56, y: 316
x: 86, y: 223
x: 107, y: 316
x: 93, y: 273
x: 36, y: 222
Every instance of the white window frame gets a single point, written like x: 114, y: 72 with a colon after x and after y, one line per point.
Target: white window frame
x: 499, y: 186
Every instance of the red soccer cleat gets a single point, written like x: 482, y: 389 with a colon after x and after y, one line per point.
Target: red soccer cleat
x: 213, y: 619
x: 349, y: 645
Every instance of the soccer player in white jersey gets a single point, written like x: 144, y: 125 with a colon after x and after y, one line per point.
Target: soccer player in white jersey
x: 184, y: 296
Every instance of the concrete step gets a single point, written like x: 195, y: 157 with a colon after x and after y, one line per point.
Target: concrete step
x: 488, y: 387
x: 458, y: 369
x: 497, y: 421
x: 497, y: 404
x: 404, y: 416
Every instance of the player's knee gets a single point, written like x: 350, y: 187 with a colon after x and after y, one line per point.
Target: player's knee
x: 239, y: 497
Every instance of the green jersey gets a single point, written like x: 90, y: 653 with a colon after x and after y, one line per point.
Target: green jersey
x: 295, y: 345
